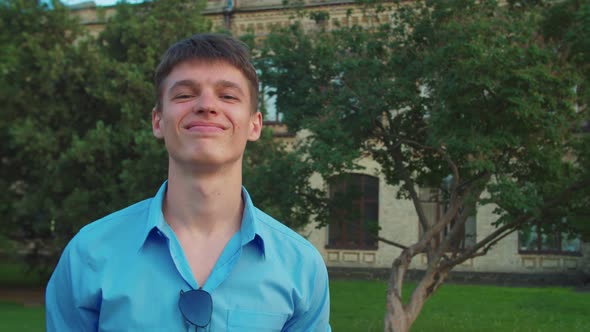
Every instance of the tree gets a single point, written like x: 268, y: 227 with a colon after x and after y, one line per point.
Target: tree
x: 77, y: 130
x: 49, y: 70
x: 278, y: 181
x: 465, y: 96
x: 567, y: 25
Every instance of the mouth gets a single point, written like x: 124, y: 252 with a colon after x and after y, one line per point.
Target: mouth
x: 204, y: 126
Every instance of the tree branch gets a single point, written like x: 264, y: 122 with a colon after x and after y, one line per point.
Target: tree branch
x: 498, y: 234
x: 434, y: 230
x: 409, y: 185
x: 472, y: 252
x: 391, y: 243
x: 376, y: 237
x: 460, y: 222
x: 396, y: 153
x: 485, y: 250
x: 446, y: 157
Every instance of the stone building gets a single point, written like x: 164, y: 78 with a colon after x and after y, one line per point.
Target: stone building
x: 528, y: 253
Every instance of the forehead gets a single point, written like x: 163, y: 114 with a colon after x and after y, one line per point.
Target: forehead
x: 206, y: 72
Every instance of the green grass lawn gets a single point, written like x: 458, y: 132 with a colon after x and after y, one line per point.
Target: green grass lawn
x: 19, y: 318
x: 359, y: 306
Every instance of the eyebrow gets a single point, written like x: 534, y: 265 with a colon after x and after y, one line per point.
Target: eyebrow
x: 230, y: 84
x: 182, y: 83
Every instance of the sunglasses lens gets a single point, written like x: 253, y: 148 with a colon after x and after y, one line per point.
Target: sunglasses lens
x: 196, y: 306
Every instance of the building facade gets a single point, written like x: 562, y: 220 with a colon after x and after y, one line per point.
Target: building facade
x: 520, y: 252
x: 352, y: 244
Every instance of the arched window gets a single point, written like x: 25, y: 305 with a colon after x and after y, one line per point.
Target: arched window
x: 354, y: 212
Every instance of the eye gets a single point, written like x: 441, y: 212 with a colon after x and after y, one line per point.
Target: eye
x: 228, y: 97
x: 182, y: 96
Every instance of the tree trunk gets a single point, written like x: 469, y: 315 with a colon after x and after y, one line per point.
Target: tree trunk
x: 400, y: 317
x: 396, y: 319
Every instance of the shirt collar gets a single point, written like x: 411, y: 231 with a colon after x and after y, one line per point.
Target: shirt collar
x: 249, y: 231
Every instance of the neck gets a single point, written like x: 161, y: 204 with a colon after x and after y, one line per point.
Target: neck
x: 204, y: 203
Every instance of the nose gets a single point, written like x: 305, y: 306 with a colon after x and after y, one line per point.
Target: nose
x: 205, y: 103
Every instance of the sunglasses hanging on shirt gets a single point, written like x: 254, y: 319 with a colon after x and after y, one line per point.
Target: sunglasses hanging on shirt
x: 196, y: 306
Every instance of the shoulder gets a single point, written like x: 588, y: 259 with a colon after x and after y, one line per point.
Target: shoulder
x: 284, y: 241
x: 111, y: 233
x: 119, y: 218
x: 280, y: 231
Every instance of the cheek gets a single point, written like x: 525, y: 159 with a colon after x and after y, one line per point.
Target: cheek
x: 236, y: 123
x: 172, y: 117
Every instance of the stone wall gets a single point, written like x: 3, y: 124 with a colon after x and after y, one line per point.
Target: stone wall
x: 574, y: 279
x: 246, y: 16
x: 399, y: 223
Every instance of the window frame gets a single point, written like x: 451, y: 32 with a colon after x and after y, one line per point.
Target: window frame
x: 358, y: 243
x: 539, y: 244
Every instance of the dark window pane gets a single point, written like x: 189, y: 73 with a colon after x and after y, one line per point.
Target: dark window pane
x: 570, y: 243
x: 334, y: 230
x: 371, y: 188
x: 371, y: 223
x: 550, y: 242
x: 533, y: 239
x: 354, y: 211
x: 527, y: 239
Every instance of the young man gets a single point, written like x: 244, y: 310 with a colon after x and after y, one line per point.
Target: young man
x: 198, y: 255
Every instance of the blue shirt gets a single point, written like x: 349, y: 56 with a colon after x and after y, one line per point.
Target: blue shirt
x: 125, y: 271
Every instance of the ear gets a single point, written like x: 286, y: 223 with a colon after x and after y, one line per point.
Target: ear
x: 255, y: 126
x: 157, y: 123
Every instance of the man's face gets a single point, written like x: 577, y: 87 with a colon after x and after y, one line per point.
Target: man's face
x: 205, y: 117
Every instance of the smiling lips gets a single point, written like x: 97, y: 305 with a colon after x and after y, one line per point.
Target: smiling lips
x: 204, y: 127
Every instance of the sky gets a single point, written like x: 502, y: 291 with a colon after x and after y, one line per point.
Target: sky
x: 97, y: 2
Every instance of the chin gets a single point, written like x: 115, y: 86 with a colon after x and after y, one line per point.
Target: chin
x: 205, y: 160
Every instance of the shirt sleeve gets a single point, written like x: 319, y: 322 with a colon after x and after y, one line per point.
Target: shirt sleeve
x: 67, y: 302
x: 314, y: 313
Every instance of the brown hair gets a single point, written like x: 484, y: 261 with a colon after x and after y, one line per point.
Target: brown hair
x: 208, y: 47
